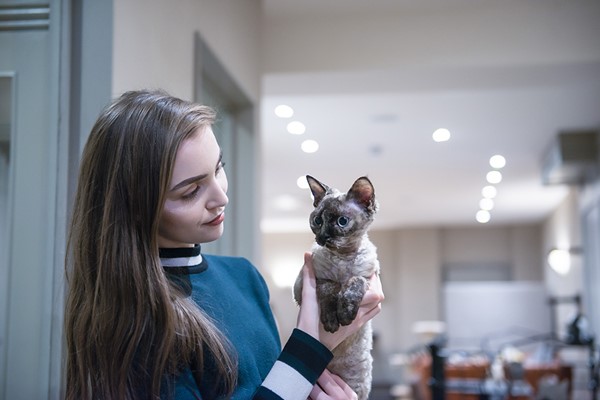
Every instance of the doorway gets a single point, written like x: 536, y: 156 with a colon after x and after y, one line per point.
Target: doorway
x: 234, y: 130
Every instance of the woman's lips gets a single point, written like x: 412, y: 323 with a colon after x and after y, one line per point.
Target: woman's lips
x: 217, y: 220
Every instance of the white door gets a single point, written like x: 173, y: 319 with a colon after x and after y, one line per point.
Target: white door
x: 28, y: 181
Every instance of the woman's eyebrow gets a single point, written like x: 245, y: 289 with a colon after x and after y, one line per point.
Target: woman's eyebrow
x: 187, y: 181
x: 196, y: 178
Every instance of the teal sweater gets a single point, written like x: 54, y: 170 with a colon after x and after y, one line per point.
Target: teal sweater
x: 234, y: 294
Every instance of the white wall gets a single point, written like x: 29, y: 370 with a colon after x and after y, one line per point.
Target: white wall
x: 411, y: 270
x: 417, y: 286
x: 503, y: 312
x: 154, y: 43
x: 516, y: 246
x: 562, y: 230
x: 501, y: 33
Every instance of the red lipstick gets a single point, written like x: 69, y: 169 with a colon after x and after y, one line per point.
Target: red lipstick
x: 218, y: 220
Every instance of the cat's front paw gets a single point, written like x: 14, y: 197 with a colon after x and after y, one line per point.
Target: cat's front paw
x: 347, y: 312
x: 350, y: 299
x: 327, y: 295
x: 331, y: 324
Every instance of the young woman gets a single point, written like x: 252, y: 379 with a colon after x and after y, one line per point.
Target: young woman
x: 147, y: 315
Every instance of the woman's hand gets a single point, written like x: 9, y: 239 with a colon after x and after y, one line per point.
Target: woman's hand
x: 330, y: 386
x: 309, y: 316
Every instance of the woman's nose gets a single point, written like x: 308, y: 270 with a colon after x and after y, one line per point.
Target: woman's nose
x: 218, y: 193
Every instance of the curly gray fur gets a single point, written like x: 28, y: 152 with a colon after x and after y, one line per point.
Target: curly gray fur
x: 344, y: 259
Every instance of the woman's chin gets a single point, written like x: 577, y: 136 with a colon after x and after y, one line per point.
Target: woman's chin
x: 215, y: 234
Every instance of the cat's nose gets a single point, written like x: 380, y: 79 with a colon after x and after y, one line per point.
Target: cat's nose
x: 322, y: 239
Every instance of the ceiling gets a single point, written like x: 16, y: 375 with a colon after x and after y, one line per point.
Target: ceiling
x: 379, y: 122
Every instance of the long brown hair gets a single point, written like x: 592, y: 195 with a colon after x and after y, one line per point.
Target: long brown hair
x: 127, y: 326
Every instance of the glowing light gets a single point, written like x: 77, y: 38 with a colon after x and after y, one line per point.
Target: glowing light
x: 296, y: 128
x: 560, y: 261
x: 494, y: 177
x: 284, y: 111
x: 441, y: 135
x: 497, y: 161
x: 302, y: 182
x: 483, y: 216
x: 486, y: 204
x: 489, y: 192
x: 309, y: 146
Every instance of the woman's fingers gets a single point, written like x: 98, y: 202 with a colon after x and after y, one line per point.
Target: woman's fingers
x: 374, y: 295
x: 308, y: 316
x: 308, y: 275
x: 330, y: 386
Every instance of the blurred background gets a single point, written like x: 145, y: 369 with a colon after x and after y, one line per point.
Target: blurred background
x: 476, y: 120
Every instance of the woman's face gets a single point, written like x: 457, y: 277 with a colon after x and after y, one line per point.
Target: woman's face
x: 196, y: 196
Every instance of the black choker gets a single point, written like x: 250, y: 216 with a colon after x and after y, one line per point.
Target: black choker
x: 180, y: 263
x: 182, y: 260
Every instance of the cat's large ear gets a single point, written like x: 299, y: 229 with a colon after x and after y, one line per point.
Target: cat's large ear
x: 363, y: 193
x: 317, y: 188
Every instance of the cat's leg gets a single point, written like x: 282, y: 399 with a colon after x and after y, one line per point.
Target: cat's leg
x: 327, y: 295
x: 350, y: 297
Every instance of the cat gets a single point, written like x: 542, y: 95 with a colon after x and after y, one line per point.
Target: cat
x: 344, y: 259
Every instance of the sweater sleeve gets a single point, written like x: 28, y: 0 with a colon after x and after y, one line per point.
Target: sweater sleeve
x: 301, y: 362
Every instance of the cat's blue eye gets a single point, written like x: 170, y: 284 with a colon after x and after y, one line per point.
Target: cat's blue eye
x: 318, y: 221
x: 342, y: 221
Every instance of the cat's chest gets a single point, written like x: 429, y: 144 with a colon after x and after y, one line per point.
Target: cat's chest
x: 328, y: 265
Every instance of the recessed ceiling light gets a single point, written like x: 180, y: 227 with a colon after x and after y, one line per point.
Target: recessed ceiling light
x: 486, y: 204
x: 494, y: 177
x: 489, y: 192
x: 384, y: 118
x: 483, y: 216
x: 296, y: 128
x: 376, y: 150
x: 309, y: 146
x: 284, y: 111
x: 441, y: 135
x: 497, y: 161
x: 302, y: 182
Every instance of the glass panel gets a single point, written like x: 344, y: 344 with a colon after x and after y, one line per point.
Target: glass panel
x: 5, y: 124
x: 5, y: 129
x: 591, y: 226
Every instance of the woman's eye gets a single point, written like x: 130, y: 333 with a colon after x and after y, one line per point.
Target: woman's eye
x: 342, y: 221
x: 318, y: 221
x: 220, y: 167
x: 192, y: 194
